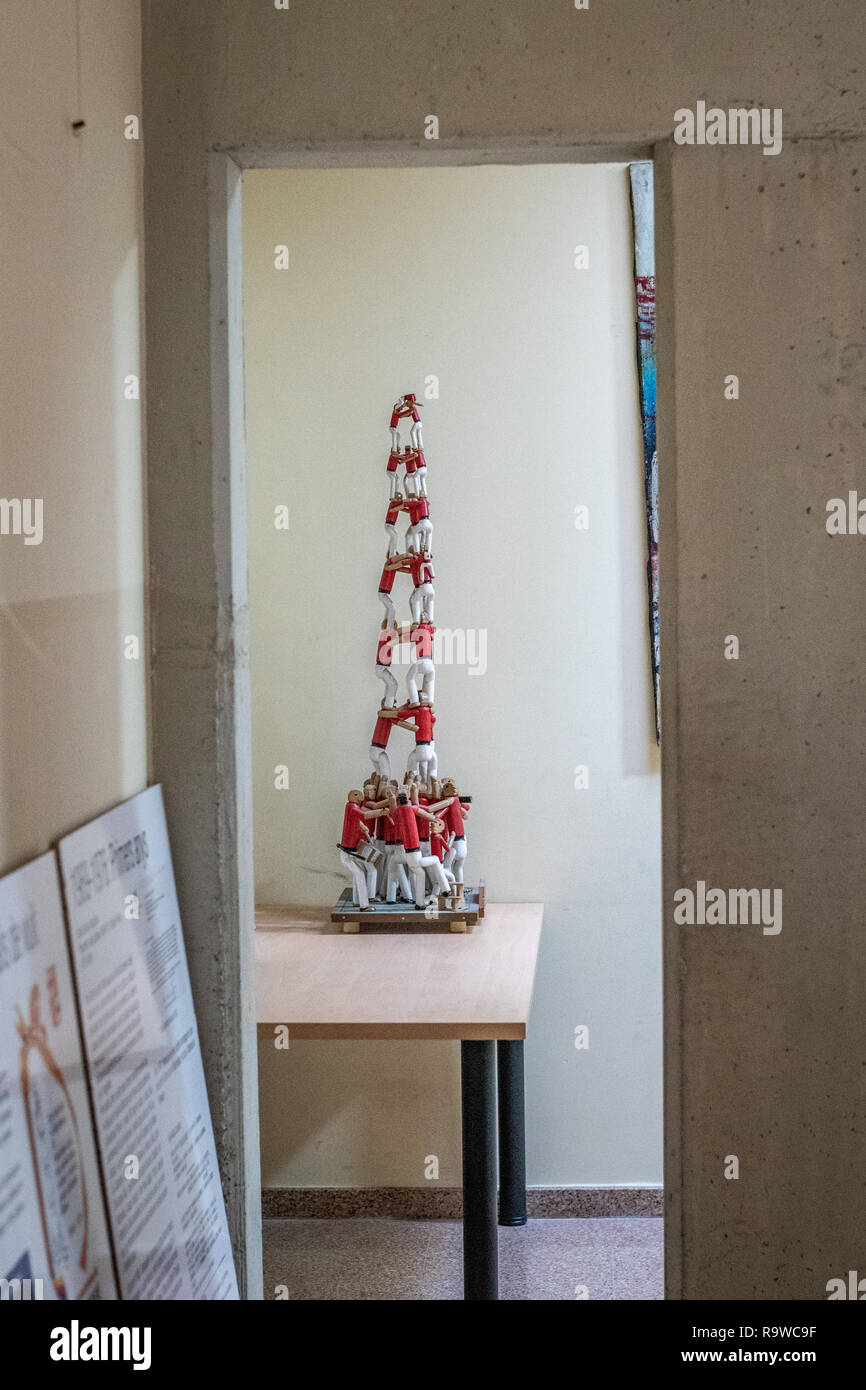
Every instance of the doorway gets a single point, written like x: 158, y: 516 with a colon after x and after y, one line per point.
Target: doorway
x: 469, y: 286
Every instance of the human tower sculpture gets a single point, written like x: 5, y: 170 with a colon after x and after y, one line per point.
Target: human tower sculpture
x: 406, y: 840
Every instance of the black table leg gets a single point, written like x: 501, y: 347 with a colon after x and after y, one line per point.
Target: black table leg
x: 512, y: 1135
x: 480, y: 1239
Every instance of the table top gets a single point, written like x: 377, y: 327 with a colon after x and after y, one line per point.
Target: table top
x: 396, y: 983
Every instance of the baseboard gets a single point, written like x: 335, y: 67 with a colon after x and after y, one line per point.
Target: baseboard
x: 446, y: 1203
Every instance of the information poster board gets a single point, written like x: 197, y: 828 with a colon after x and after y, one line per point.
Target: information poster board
x: 53, y: 1231
x: 159, y: 1162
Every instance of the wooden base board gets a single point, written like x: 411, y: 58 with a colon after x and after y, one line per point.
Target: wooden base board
x: 456, y: 919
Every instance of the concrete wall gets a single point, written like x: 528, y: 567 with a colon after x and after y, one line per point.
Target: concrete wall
x: 771, y: 747
x: 473, y: 279
x: 762, y: 757
x: 73, y: 709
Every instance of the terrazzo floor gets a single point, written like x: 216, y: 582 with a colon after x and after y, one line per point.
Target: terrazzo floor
x: 371, y: 1259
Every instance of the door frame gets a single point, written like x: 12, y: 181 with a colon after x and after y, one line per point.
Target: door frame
x: 228, y: 691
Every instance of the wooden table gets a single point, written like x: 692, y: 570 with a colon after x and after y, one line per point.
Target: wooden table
x: 475, y: 988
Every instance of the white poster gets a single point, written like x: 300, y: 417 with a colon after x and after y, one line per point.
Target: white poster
x: 153, y: 1122
x: 53, y: 1233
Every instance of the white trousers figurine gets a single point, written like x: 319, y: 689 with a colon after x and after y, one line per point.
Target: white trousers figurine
x: 387, y: 676
x: 415, y: 482
x: 448, y: 876
x: 424, y: 671
x: 418, y: 537
x: 396, y: 876
x: 363, y: 878
x: 455, y: 857
x: 417, y: 863
x: 382, y: 870
x: 390, y: 611
x: 391, y: 532
x: 421, y: 603
x: 423, y: 760
x: 380, y: 760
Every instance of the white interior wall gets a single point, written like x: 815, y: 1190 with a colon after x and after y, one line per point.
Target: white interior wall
x: 468, y: 275
x: 73, y: 708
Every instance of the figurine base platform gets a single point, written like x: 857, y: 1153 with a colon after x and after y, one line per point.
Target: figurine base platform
x: 456, y: 919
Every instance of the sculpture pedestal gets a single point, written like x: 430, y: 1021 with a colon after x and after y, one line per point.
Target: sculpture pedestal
x: 402, y: 915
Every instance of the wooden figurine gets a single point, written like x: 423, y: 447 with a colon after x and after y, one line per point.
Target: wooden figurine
x: 419, y: 564
x: 379, y: 744
x: 406, y: 824
x: 422, y: 669
x: 388, y: 638
x: 419, y: 534
x: 386, y: 584
x: 421, y: 719
x: 414, y: 472
x: 392, y: 516
x: 439, y: 846
x: 414, y: 466
x: 430, y: 825
x: 420, y: 801
x: 374, y: 800
x: 408, y: 839
x: 395, y: 458
x: 395, y: 863
x: 403, y: 408
x: 357, y: 851
x: 454, y: 817
x: 423, y: 596
x: 411, y: 456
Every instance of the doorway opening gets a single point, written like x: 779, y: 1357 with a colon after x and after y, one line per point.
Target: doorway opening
x: 503, y: 296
